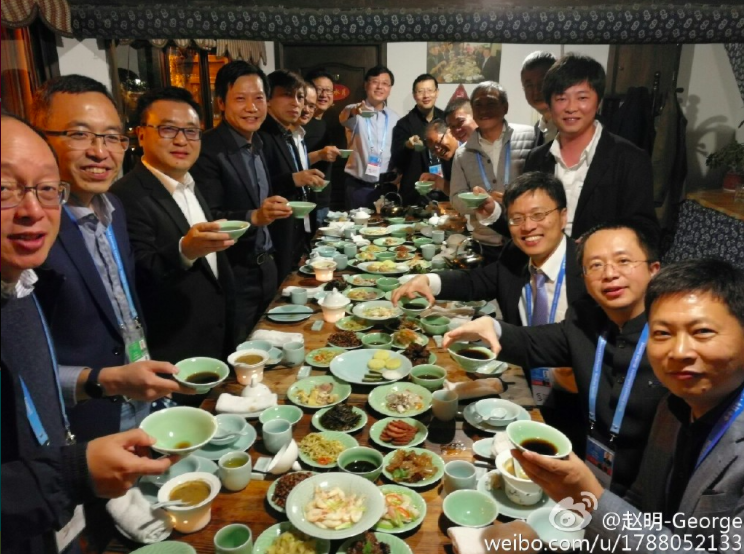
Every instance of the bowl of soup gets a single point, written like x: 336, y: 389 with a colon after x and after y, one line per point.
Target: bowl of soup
x: 179, y: 430
x: 201, y: 373
x: 248, y: 364
x: 470, y: 357
x: 196, y: 490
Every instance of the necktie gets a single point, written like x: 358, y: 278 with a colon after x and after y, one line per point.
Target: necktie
x: 540, y: 309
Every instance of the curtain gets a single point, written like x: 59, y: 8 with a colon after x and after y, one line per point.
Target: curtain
x: 55, y: 13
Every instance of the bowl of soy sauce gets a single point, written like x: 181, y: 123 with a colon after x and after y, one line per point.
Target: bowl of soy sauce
x: 362, y: 461
x: 471, y: 357
x: 533, y: 436
x: 201, y: 373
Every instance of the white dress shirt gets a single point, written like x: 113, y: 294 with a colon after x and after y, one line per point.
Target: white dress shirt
x: 551, y: 268
x: 573, y: 177
x: 184, y: 195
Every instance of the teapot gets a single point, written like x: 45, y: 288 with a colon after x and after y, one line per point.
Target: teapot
x: 466, y: 256
x: 390, y: 208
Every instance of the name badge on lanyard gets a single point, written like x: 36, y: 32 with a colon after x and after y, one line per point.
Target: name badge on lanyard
x: 436, y: 169
x: 374, y: 164
x: 541, y: 378
x: 600, y: 455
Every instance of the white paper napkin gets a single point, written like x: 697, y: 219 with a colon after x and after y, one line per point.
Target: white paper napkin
x: 466, y: 540
x: 133, y: 513
x: 277, y: 338
x: 500, y: 443
x: 476, y: 389
x: 231, y: 404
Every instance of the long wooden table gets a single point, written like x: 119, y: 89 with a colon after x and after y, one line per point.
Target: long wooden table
x: 451, y: 440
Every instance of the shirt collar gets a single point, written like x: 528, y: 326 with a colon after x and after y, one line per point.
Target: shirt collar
x: 253, y: 145
x: 171, y: 184
x: 552, y: 266
x: 101, y: 209
x: 299, y: 132
x: 587, y: 155
x: 23, y: 287
x: 681, y: 410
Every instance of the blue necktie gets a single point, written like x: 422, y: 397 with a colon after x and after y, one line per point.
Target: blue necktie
x: 540, y: 309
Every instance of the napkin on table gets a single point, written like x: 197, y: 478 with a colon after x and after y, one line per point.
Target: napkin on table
x: 466, y: 540
x: 277, y: 338
x: 231, y: 404
x: 500, y: 443
x: 467, y: 390
x: 360, y: 241
x: 133, y: 513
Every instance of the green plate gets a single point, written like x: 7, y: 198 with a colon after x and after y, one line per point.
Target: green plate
x: 267, y: 538
x: 416, y: 499
x: 506, y: 506
x: 307, y: 269
x: 344, y: 438
x: 366, y: 257
x: 272, y: 488
x: 167, y: 547
x: 362, y: 421
x: 421, y: 339
x: 376, y: 399
x: 289, y: 313
x: 373, y: 248
x: 310, y: 358
x: 469, y: 415
x: 351, y: 366
x: 353, y: 323
x: 409, y: 248
x: 436, y: 461
x: 376, y: 430
x: 362, y: 280
x: 374, y: 294
x: 397, y: 269
x: 397, y: 546
x: 389, y: 241
x: 340, y: 388
x: 359, y: 336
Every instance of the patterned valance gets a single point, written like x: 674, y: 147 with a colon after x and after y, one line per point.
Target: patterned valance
x: 248, y: 50
x: 54, y: 13
x: 602, y: 24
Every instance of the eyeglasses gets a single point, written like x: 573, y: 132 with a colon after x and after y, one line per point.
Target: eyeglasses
x: 324, y: 91
x: 421, y: 92
x: 384, y: 84
x: 170, y: 132
x: 50, y: 194
x: 624, y: 266
x: 439, y: 146
x: 82, y: 140
x: 534, y: 216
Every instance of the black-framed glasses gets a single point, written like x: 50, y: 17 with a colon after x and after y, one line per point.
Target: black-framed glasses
x: 50, y: 194
x: 170, y: 132
x: 534, y: 216
x: 624, y: 266
x: 82, y: 140
x: 324, y: 91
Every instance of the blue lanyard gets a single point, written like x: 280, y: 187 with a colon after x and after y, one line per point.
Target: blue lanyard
x: 622, y: 403
x: 530, y: 308
x: 384, y: 134
x: 122, y: 274
x: 31, y: 412
x: 507, y: 169
x: 722, y: 425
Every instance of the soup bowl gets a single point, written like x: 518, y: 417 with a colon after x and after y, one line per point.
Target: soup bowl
x: 201, y: 373
x: 179, y: 430
x: 470, y: 363
x: 195, y: 516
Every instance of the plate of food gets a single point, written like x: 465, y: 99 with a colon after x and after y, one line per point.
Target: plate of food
x: 389, y: 241
x: 400, y: 399
x: 362, y: 280
x: 322, y: 449
x: 404, y: 337
x: 403, y: 247
x: 284, y: 537
x: 374, y: 543
x: 413, y: 467
x: 367, y: 256
x: 388, y: 267
x: 353, y: 323
x: 319, y: 391
x: 377, y: 310
x: 374, y: 231
x: 348, y: 340
x: 322, y: 357
x: 406, y: 510
x: 373, y: 248
x: 363, y: 294
x: 345, y: 497
x: 371, y: 366
x: 419, y: 355
x: 279, y: 490
x: 398, y: 432
x: 340, y: 417
x: 307, y: 269
x: 402, y: 254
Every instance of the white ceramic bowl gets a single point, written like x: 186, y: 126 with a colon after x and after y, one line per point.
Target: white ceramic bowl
x: 189, y: 519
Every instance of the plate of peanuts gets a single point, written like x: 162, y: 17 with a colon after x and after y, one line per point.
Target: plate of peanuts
x: 398, y: 432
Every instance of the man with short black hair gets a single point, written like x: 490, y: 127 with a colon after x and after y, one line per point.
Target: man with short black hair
x: 534, y: 68
x: 409, y: 155
x: 442, y: 144
x: 369, y: 128
x: 184, y: 279
x: 234, y: 180
x: 459, y: 118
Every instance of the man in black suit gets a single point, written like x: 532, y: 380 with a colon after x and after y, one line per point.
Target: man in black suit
x: 538, y: 258
x: 491, y: 65
x: 605, y: 177
x: 287, y: 162
x: 184, y: 279
x: 234, y: 180
x: 534, y: 68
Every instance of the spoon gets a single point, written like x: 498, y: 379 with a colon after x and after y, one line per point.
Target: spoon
x: 168, y: 504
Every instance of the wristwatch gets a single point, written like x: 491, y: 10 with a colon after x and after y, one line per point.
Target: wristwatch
x: 92, y: 387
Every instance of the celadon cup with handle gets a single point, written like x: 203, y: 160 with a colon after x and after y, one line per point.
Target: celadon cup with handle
x: 235, y: 478
x: 235, y: 538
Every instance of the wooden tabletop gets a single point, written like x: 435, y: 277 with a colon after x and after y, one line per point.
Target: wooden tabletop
x: 451, y: 440
x: 719, y: 200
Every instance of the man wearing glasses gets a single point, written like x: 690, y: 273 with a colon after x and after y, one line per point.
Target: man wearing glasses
x: 442, y: 144
x: 604, y: 341
x: 87, y: 287
x: 410, y: 157
x: 184, y: 279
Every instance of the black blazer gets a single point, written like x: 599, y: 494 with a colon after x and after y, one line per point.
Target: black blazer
x: 504, y: 280
x: 188, y: 311
x: 619, y: 184
x: 288, y: 235
x: 81, y: 318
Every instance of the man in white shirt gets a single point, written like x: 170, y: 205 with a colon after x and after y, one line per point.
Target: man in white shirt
x: 369, y: 133
x: 534, y: 68
x: 606, y: 177
x: 185, y: 281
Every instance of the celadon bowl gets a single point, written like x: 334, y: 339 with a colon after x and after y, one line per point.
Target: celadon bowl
x: 301, y: 209
x: 429, y: 369
x: 470, y: 365
x: 179, y: 430
x: 435, y: 324
x: 387, y: 284
x: 423, y: 187
x: 235, y: 229
x: 472, y: 200
x: 469, y: 508
x: 192, y: 366
x: 521, y: 431
x: 293, y: 414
